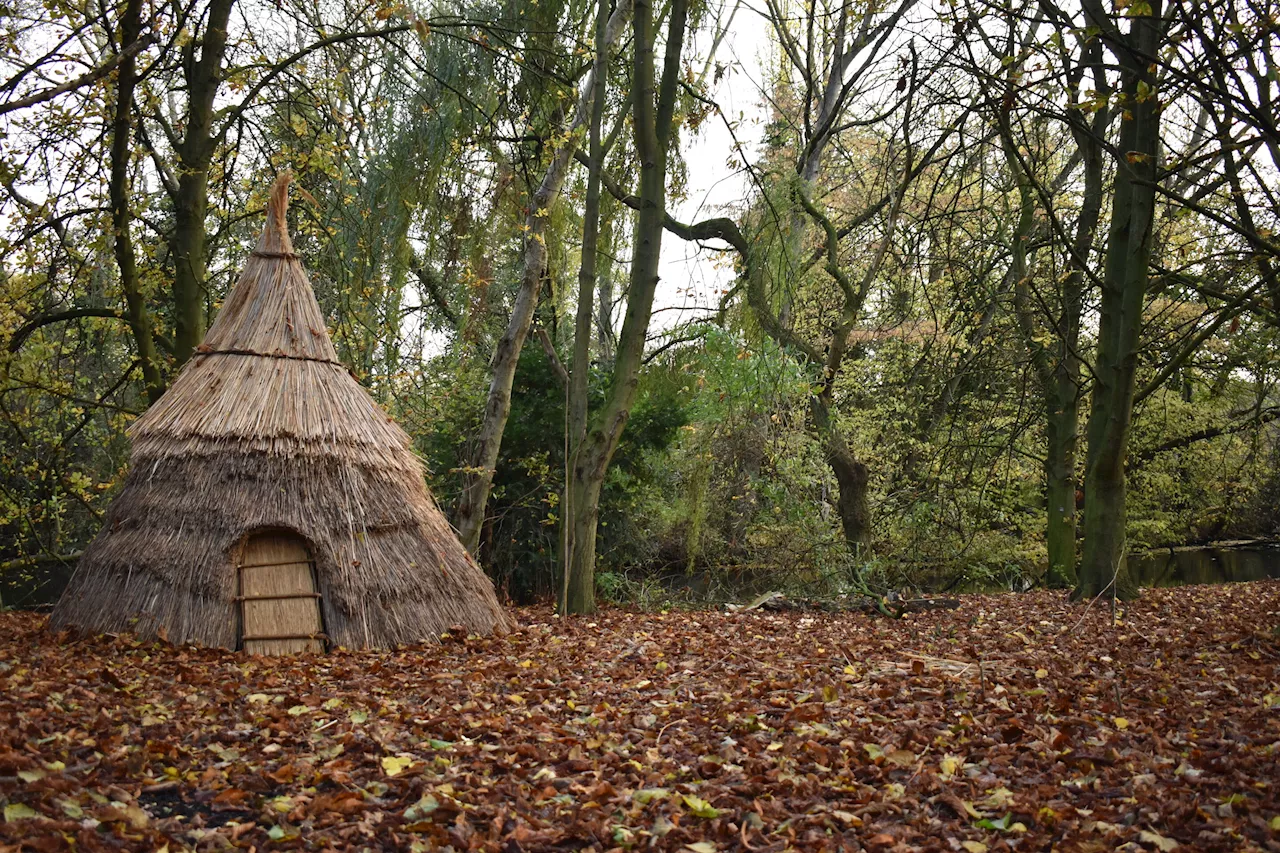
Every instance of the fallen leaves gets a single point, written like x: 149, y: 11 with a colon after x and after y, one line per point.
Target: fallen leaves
x: 1157, y: 840
x: 422, y: 809
x: 394, y: 765
x: 1012, y: 723
x: 699, y: 807
x: 15, y: 812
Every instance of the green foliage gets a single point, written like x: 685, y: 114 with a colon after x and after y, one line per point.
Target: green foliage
x: 62, y: 451
x: 419, y: 154
x: 741, y: 499
x: 520, y: 546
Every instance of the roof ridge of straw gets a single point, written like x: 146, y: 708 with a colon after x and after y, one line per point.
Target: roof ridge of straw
x: 276, y: 373
x: 272, y: 311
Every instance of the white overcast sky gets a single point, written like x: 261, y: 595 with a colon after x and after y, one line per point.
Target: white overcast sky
x: 691, y: 280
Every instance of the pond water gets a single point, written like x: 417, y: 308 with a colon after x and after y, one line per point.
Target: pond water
x: 1209, y: 564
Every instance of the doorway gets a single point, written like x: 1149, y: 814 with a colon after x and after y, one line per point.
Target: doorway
x: 279, y: 599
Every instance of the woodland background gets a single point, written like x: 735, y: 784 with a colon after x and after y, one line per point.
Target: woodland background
x: 999, y: 305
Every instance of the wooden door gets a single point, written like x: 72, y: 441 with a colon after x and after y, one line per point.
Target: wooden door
x: 279, y: 603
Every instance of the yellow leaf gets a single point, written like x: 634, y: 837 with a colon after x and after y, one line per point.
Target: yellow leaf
x: 1121, y: 723
x: 422, y: 808
x: 950, y: 764
x: 19, y: 811
x: 700, y: 807
x: 999, y: 798
x: 1164, y: 844
x: 900, y: 757
x: 702, y: 847
x: 394, y: 765
x: 137, y: 818
x: 974, y: 846
x: 1042, y: 673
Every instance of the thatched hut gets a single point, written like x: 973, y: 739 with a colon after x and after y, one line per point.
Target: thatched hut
x: 270, y: 504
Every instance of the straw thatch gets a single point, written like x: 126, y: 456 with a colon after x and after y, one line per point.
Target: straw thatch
x: 264, y: 429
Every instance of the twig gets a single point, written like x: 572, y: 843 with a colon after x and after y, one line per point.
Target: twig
x: 663, y: 730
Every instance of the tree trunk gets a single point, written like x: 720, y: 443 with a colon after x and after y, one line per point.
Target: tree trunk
x: 1055, y: 372
x: 195, y: 154
x: 1063, y: 397
x: 1063, y: 417
x: 579, y: 594
x: 652, y: 127
x: 1103, y: 565
x: 586, y: 301
x: 1060, y: 495
x: 1057, y: 364
x: 852, y: 479
x: 1124, y: 285
x: 121, y: 214
x: 469, y: 515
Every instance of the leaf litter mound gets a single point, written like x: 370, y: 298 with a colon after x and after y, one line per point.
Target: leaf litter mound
x: 1015, y: 722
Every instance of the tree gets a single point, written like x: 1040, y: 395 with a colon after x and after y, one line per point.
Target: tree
x: 140, y: 322
x: 844, y: 56
x: 470, y: 513
x: 1049, y: 313
x: 653, y: 123
x: 587, y: 279
x: 1124, y: 286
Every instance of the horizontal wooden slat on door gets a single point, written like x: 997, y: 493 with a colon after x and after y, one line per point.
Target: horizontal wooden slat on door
x: 279, y: 604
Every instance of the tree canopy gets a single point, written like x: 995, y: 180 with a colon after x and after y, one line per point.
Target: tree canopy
x: 994, y: 304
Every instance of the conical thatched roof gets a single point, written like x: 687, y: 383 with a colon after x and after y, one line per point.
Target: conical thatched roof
x: 264, y: 429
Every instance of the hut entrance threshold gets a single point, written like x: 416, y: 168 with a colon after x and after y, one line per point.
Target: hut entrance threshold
x: 278, y: 597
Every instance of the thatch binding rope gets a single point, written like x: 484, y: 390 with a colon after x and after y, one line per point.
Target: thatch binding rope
x: 265, y: 429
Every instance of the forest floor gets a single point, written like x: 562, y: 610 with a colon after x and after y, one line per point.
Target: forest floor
x: 1016, y: 722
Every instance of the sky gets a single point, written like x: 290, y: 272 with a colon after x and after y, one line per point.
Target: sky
x: 690, y: 278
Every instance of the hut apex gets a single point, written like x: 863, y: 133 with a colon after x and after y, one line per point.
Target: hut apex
x: 270, y: 504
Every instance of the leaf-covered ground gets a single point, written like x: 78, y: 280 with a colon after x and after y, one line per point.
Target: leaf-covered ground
x: 1014, y: 723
